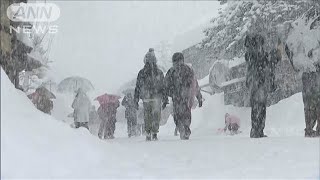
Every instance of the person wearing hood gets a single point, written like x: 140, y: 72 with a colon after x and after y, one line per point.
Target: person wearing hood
x: 81, y: 106
x: 182, y: 86
x: 150, y: 88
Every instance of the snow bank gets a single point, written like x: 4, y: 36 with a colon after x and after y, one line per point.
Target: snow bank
x: 36, y: 145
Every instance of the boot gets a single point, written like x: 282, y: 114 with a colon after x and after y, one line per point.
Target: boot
x: 154, y: 137
x: 310, y: 133
x: 185, y: 138
x: 262, y: 135
x: 254, y: 134
x: 77, y: 125
x: 148, y: 137
x: 86, y: 125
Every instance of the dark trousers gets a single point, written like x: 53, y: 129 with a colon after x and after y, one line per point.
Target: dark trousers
x: 311, y: 101
x: 107, y: 127
x: 258, y: 119
x: 182, y: 118
x: 312, y: 115
x: 132, y: 126
x: 152, y: 116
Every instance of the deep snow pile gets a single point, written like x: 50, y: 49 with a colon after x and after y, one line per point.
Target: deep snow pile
x: 35, y: 145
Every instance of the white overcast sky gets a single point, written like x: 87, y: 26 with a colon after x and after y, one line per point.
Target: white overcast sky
x: 105, y: 41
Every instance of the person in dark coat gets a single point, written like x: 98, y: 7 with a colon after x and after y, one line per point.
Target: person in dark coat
x: 130, y: 114
x: 182, y: 86
x: 150, y: 88
x: 257, y: 78
x: 107, y: 113
x: 43, y: 103
x: 42, y: 100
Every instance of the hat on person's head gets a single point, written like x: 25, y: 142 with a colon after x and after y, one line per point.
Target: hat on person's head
x: 150, y: 58
x: 148, y: 55
x: 177, y: 57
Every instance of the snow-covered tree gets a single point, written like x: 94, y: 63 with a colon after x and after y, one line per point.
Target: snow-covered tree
x: 272, y: 19
x: 304, y: 41
x: 34, y: 74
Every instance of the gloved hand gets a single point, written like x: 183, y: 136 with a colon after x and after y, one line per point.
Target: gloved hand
x: 200, y: 103
x: 164, y: 105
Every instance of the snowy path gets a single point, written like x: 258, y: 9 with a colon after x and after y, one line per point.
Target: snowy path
x: 35, y: 145
x: 218, y: 157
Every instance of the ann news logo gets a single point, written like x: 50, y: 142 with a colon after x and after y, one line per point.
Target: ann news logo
x: 39, y: 14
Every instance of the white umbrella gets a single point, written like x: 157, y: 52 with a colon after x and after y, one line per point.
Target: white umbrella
x: 72, y: 84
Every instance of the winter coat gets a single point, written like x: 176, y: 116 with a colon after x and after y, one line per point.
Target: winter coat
x: 182, y: 85
x: 42, y: 103
x: 150, y: 84
x: 81, y: 106
x: 45, y: 104
x: 128, y: 103
x: 257, y: 74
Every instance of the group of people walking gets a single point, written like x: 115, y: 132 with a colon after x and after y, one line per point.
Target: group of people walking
x: 105, y: 116
x: 154, y: 89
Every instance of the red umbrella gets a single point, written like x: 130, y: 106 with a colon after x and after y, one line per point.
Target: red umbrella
x: 107, y: 98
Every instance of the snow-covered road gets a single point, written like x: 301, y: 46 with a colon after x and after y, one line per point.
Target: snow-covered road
x: 35, y: 145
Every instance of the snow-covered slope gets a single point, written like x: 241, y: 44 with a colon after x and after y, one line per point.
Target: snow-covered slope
x: 34, y: 145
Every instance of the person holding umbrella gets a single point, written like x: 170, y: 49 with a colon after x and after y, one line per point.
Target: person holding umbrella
x: 81, y: 106
x: 107, y: 113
